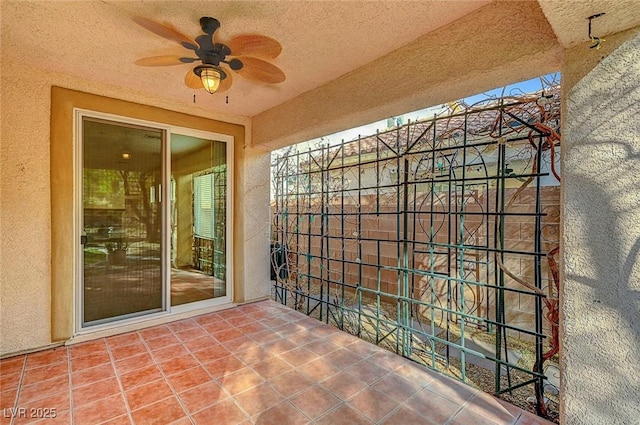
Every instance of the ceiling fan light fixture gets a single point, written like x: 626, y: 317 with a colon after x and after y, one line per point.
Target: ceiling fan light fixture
x: 210, y: 76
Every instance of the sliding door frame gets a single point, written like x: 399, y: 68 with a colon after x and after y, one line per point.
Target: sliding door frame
x: 167, y: 131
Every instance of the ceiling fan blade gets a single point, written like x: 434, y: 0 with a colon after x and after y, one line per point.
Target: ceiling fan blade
x: 255, y: 45
x: 192, y: 80
x: 165, y: 60
x: 257, y: 69
x: 164, y: 30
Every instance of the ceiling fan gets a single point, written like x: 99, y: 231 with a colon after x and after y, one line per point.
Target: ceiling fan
x: 241, y: 54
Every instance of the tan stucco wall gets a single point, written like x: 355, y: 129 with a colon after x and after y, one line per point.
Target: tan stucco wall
x: 501, y: 43
x: 601, y: 233
x: 25, y: 201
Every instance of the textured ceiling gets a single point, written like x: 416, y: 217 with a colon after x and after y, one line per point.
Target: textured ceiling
x: 321, y: 40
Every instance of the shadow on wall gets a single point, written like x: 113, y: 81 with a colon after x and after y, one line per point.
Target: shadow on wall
x: 601, y: 171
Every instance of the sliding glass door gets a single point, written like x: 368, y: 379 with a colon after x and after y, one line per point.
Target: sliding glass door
x: 198, y: 218
x: 154, y: 219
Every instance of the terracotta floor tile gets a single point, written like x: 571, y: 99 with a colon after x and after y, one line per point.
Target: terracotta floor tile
x: 283, y: 413
x: 189, y: 378
x: 372, y: 404
x: 211, y: 353
x: 224, y: 366
x: 287, y: 329
x: 86, y: 348
x: 494, y: 409
x: 132, y: 363
x: 324, y: 330
x: 100, y: 411
x: 200, y: 343
x: 271, y: 367
x: 94, y: 374
x: 238, y: 321
x: 240, y: 381
x: 258, y: 399
x: 322, y: 347
x: 231, y: 312
x: 124, y: 351
x: 367, y: 371
x: 280, y: 346
x: 253, y: 355
x: 342, y: 339
x: 46, y: 357
x: 344, y: 415
x: 318, y: 369
x: 9, y: 381
x: 273, y: 321
x: 264, y: 336
x: 416, y: 373
x: 163, y: 412
x: 154, y: 332
x: 432, y: 406
x: 199, y: 397
x: 298, y: 356
x: 304, y: 337
x: 208, y: 318
x: 191, y: 333
x: 162, y: 341
x: 223, y: 412
x: 397, y: 388
x: 140, y: 377
x: 178, y: 364
x: 251, y: 328
x: 148, y: 394
x: 12, y: 365
x: 43, y: 389
x: 450, y: 389
x: 170, y: 352
x: 90, y: 360
x: 315, y: 401
x: 8, y: 398
x: 61, y: 418
x: 227, y: 335
x: 123, y: 339
x: 363, y: 348
x: 343, y: 385
x: 216, y: 327
x: 466, y: 416
x: 386, y: 359
x: 120, y: 420
x: 404, y: 416
x: 95, y: 391
x: 58, y: 401
x: 183, y: 325
x: 241, y: 343
x: 290, y: 383
x: 342, y: 358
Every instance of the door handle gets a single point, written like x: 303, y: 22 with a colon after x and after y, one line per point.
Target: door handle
x: 83, y: 240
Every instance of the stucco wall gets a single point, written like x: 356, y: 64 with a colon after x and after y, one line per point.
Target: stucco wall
x: 601, y: 233
x: 25, y: 212
x: 501, y: 43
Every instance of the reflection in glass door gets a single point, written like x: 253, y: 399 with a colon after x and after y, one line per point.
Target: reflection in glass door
x: 198, y: 219
x: 122, y: 221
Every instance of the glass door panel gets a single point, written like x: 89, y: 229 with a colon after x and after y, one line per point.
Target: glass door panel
x: 122, y: 221
x: 198, y: 219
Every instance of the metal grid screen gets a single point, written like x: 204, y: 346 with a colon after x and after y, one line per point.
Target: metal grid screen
x: 435, y: 239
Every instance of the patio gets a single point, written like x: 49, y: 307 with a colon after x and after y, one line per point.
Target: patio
x: 258, y: 363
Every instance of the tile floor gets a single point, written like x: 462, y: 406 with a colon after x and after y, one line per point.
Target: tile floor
x: 260, y: 363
